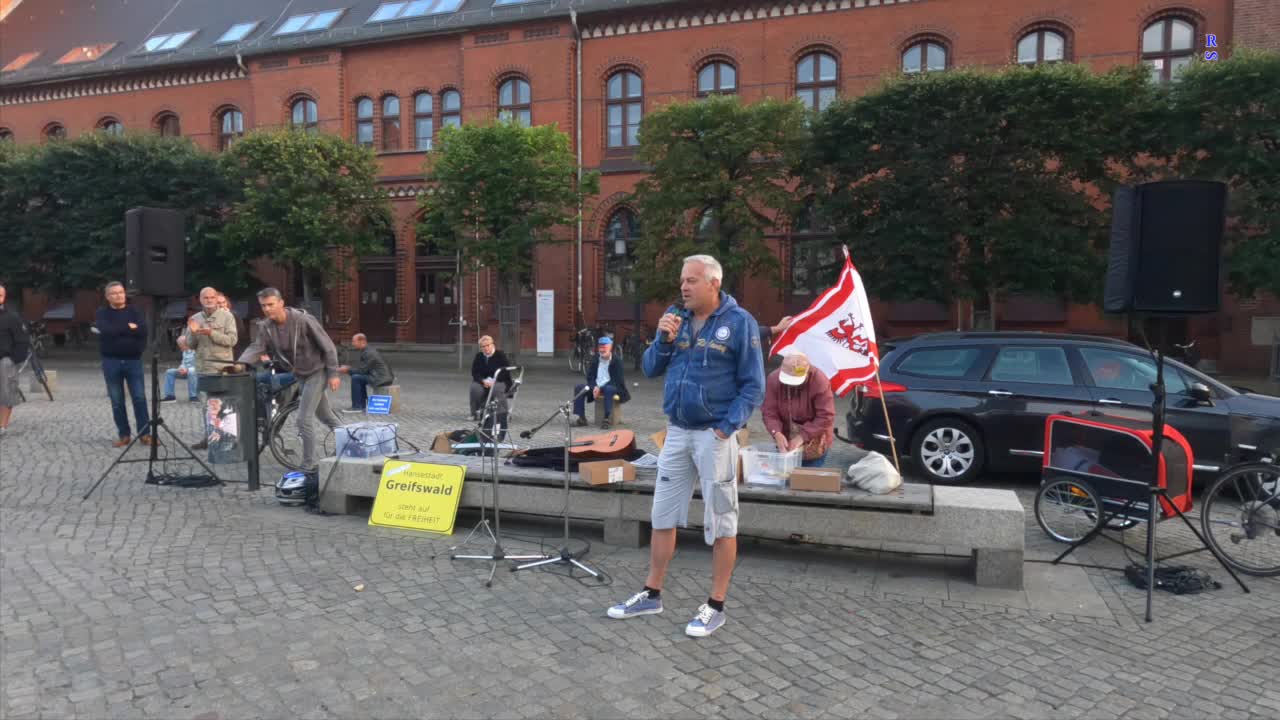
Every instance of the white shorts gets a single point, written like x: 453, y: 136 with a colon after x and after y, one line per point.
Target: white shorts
x: 690, y: 453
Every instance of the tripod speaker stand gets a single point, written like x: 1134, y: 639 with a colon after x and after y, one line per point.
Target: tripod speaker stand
x: 565, y: 556
x: 492, y: 436
x: 157, y: 423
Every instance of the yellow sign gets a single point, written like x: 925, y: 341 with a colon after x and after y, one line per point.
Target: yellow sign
x: 418, y: 496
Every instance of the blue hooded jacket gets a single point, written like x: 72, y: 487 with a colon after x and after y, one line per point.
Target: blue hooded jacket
x: 715, y: 380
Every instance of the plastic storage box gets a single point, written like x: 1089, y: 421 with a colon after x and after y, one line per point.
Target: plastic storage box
x: 764, y: 465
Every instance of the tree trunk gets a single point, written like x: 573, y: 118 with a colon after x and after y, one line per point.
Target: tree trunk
x: 992, y: 295
x: 306, y: 289
x: 509, y: 313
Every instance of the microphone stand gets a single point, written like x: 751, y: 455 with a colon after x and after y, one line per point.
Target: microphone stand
x: 565, y: 556
x: 493, y: 436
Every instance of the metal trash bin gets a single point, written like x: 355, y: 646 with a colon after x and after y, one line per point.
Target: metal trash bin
x: 230, y: 417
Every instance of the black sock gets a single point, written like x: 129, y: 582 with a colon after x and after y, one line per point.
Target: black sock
x: 653, y: 594
x: 717, y: 605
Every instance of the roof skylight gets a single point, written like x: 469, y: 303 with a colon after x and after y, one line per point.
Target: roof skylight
x: 499, y: 3
x: 171, y: 41
x: 85, y: 53
x: 237, y: 32
x: 309, y: 22
x: 21, y: 61
x: 403, y: 9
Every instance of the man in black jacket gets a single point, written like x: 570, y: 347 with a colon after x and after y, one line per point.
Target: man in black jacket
x: 370, y: 372
x: 604, y: 381
x: 488, y: 367
x: 122, y: 336
x: 14, y: 347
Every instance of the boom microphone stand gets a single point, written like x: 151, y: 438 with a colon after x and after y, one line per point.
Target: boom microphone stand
x: 492, y: 436
x: 565, y: 556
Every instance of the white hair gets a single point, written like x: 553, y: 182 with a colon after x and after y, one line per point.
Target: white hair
x: 711, y: 266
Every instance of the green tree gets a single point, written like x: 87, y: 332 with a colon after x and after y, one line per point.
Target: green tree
x: 62, y: 204
x: 304, y: 198
x: 1226, y: 125
x: 498, y: 191
x: 720, y: 180
x: 973, y: 185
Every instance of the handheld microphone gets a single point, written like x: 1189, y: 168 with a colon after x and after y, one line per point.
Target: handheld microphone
x: 679, y: 310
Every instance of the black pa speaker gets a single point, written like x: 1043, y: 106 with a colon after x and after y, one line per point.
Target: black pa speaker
x: 1166, y: 246
x: 154, y: 252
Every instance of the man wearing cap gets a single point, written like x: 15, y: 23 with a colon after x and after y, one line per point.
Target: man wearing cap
x: 604, y: 382
x: 799, y: 409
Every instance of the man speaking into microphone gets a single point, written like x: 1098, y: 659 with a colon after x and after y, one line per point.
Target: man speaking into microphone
x: 710, y: 353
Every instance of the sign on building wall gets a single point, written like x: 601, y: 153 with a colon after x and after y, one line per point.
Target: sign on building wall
x: 546, y: 310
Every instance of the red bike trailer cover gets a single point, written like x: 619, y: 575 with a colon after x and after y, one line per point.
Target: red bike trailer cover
x: 1169, y: 461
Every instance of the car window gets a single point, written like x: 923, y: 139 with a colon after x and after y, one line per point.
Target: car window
x: 1126, y: 371
x: 1045, y: 365
x: 939, y: 362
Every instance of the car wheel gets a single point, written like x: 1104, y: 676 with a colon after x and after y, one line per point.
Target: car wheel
x: 949, y: 451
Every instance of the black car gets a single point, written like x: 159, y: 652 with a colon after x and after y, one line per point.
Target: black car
x: 962, y: 403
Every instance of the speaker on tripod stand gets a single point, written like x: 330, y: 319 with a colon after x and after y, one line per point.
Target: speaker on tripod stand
x: 155, y: 266
x: 1165, y: 258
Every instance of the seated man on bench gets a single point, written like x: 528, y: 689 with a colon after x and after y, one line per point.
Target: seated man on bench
x: 371, y: 371
x: 604, y: 381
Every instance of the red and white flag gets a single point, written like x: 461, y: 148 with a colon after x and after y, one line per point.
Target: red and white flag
x: 836, y: 333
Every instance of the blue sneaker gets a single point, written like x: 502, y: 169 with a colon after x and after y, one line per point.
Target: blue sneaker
x: 707, y: 621
x: 639, y: 604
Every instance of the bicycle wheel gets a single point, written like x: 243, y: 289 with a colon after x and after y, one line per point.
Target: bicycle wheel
x: 1067, y: 510
x: 1241, y: 518
x: 575, y: 357
x: 37, y: 369
x: 286, y: 443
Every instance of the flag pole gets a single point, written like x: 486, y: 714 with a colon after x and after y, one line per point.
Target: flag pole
x: 893, y: 444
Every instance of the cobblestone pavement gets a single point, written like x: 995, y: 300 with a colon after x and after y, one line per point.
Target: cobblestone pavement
x: 217, y: 603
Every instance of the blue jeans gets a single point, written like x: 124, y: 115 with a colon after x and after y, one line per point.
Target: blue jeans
x: 607, y: 392
x: 118, y: 372
x: 171, y: 378
x: 359, y: 391
x: 816, y: 462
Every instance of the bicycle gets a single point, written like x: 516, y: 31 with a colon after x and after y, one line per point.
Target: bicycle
x: 635, y: 344
x: 41, y: 340
x: 583, y: 347
x: 277, y: 401
x: 1240, y: 516
x: 37, y: 369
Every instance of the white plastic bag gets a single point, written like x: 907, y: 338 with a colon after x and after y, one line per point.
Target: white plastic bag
x: 875, y: 474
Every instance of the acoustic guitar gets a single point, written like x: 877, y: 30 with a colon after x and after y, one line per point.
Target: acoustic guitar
x: 615, y: 445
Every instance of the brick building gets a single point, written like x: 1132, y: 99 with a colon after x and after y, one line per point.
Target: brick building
x: 391, y: 74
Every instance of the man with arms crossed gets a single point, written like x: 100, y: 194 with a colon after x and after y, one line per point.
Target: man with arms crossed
x: 711, y: 355
x: 297, y: 339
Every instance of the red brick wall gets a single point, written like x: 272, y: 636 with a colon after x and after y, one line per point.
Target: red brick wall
x: 1256, y: 24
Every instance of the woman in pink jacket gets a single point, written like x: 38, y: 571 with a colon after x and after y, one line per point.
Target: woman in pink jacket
x: 799, y: 410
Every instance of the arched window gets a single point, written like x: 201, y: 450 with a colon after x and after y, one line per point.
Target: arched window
x: 621, y: 236
x: 424, y: 126
x: 515, y: 102
x: 111, y: 126
x: 168, y: 125
x: 816, y: 80
x: 364, y: 122
x: 305, y: 115
x: 813, y: 266
x: 6, y: 135
x: 1168, y: 47
x: 716, y: 78
x: 1042, y: 46
x: 625, y: 106
x: 390, y: 123
x: 450, y: 108
x: 230, y: 127
x: 925, y: 55
x: 55, y: 132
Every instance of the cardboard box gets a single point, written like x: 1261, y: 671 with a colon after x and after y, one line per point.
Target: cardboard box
x: 607, y: 472
x: 816, y: 480
x: 441, y: 444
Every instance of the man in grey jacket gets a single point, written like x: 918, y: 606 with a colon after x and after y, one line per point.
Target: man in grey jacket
x: 297, y: 340
x: 212, y: 334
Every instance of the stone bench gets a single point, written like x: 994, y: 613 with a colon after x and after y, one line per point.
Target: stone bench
x: 989, y: 524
